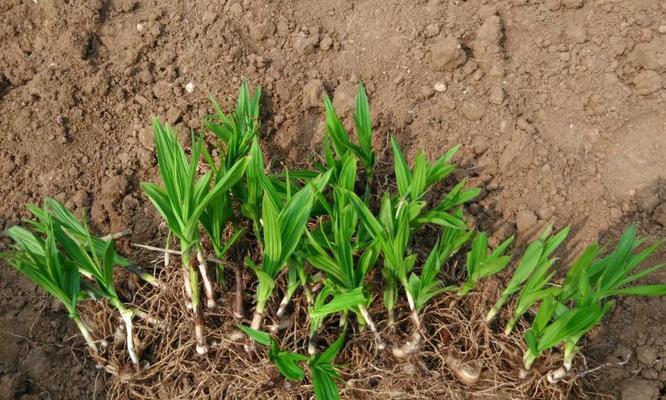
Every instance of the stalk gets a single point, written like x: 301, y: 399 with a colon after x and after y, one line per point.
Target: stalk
x: 202, y: 348
x: 85, y: 331
x: 257, y: 320
x: 258, y: 317
x: 144, y: 276
x: 495, y: 310
x: 184, y: 269
x: 127, y: 315
x: 238, y: 297
x: 569, y: 354
x: 378, y: 339
x: 528, y: 359
x: 208, y: 286
x: 413, y: 344
x: 312, y: 349
x: 509, y: 326
x: 284, y: 303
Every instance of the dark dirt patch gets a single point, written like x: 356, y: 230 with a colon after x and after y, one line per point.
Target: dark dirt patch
x: 558, y: 105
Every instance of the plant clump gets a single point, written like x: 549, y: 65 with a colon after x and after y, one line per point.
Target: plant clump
x: 397, y: 285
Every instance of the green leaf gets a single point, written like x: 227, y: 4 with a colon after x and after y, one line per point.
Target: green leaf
x: 272, y: 236
x: 644, y: 290
x: 341, y: 302
x: 261, y: 337
x: 287, y: 363
x: 402, y: 174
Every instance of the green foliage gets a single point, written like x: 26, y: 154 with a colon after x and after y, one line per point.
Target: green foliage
x: 185, y: 196
x: 39, y: 258
x: 338, y: 136
x: 533, y: 263
x: 283, y: 227
x: 323, y: 373
x: 566, y: 314
x: 482, y: 263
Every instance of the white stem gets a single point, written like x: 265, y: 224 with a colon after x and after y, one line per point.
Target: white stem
x: 201, y: 348
x: 283, y: 306
x: 368, y: 320
x: 413, y: 344
x: 173, y: 252
x: 146, y: 317
x: 208, y: 286
x: 312, y: 349
x: 127, y: 319
x: 114, y: 236
x: 86, y: 334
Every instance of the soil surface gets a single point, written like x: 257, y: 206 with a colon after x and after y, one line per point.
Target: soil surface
x: 559, y: 106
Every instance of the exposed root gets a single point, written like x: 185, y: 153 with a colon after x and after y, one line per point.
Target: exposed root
x: 453, y: 330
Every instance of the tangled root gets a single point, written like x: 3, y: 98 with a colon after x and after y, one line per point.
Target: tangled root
x: 459, y: 354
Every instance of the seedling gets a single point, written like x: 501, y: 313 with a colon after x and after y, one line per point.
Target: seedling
x: 401, y: 215
x: 337, y: 249
x: 422, y: 288
x: 59, y: 250
x: 481, y: 263
x: 567, y: 314
x: 39, y: 259
x: 322, y: 371
x: 181, y: 202
x: 534, y: 259
x: 283, y: 227
x: 342, y: 144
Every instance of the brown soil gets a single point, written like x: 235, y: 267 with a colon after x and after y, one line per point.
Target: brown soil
x: 558, y: 105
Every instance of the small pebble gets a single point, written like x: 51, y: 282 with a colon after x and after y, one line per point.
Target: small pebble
x: 189, y: 87
x: 440, y: 87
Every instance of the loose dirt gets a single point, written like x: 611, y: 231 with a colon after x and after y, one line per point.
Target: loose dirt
x: 558, y: 105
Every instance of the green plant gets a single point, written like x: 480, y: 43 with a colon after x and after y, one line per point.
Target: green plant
x: 337, y: 135
x: 39, y: 259
x: 181, y: 201
x: 322, y: 371
x: 58, y: 251
x: 283, y: 227
x: 482, y: 263
x: 535, y: 258
x: 338, y: 249
x: 422, y: 288
x: 399, y: 216
x: 567, y: 314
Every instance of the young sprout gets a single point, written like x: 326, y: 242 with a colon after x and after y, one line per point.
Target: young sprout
x: 322, y: 371
x: 80, y: 233
x: 337, y: 249
x: 283, y: 227
x: 566, y: 315
x: 39, y: 259
x: 535, y: 257
x: 93, y: 257
x: 400, y: 216
x: 215, y: 219
x: 236, y: 131
x: 342, y: 145
x: 181, y: 202
x: 481, y: 263
x: 420, y: 289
